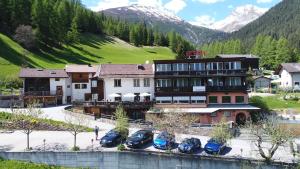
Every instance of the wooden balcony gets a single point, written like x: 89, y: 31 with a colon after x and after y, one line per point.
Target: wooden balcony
x: 203, y: 73
x: 43, y: 93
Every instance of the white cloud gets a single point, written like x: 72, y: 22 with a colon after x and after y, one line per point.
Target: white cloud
x: 106, y: 4
x: 204, y: 20
x: 209, y: 1
x: 263, y: 1
x: 153, y: 3
x: 175, y: 5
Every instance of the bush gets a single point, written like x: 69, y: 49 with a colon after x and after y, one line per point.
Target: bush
x: 76, y: 148
x: 121, y: 147
x: 258, y: 101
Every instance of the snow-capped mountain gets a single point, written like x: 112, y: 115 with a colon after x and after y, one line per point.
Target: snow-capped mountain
x: 240, y: 17
x: 165, y: 21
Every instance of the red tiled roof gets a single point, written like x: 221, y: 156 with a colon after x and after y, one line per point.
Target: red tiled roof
x: 40, y: 73
x: 81, y: 68
x: 126, y: 69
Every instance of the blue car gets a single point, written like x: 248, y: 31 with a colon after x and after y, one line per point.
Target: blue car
x: 189, y: 145
x: 214, y: 147
x: 164, y: 141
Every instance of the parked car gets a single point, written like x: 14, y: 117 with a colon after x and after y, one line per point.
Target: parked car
x: 214, y: 147
x: 164, y: 141
x: 139, y: 138
x: 189, y: 145
x: 112, y: 138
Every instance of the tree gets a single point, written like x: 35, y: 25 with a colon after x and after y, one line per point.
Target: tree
x: 221, y: 131
x: 173, y: 121
x: 122, y: 124
x: 25, y: 36
x: 73, y: 34
x: 76, y: 123
x: 27, y: 119
x: 269, y: 136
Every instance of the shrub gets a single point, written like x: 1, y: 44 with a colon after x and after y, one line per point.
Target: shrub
x: 76, y: 148
x: 121, y: 147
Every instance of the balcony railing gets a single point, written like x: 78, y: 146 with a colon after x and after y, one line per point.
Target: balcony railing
x: 200, y: 89
x: 43, y: 93
x: 226, y: 88
x: 241, y: 72
x: 147, y: 104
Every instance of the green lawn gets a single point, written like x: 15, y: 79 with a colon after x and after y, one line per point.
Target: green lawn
x: 91, y: 49
x: 277, y: 102
x: 12, y: 164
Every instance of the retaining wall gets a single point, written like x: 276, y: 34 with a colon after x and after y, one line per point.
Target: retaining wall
x: 137, y: 160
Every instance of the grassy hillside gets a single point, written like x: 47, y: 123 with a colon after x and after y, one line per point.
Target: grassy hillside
x: 91, y: 49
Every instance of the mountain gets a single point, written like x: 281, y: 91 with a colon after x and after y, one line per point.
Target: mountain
x: 165, y: 21
x: 282, y: 20
x: 239, y: 17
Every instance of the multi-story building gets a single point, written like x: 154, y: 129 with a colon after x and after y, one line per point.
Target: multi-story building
x: 212, y: 87
x: 49, y: 86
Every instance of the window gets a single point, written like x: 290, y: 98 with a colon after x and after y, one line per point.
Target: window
x: 77, y: 86
x: 239, y: 99
x: 197, y: 66
x: 146, y: 82
x: 197, y: 82
x: 136, y: 82
x: 94, y: 96
x: 181, y: 83
x: 214, y: 66
x: 164, y: 100
x: 233, y: 81
x: 94, y: 83
x: 215, y: 82
x: 118, y: 99
x: 68, y: 86
x: 163, y: 67
x: 180, y: 67
x: 296, y: 83
x: 232, y: 65
x: 213, y: 114
x: 117, y: 82
x: 226, y: 99
x: 227, y: 114
x: 163, y: 83
x: 83, y: 86
x: 57, y: 79
x: 183, y: 99
x: 198, y: 99
x: 213, y: 99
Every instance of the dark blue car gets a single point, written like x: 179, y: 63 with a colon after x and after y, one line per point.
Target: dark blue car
x: 214, y: 147
x: 189, y: 145
x: 112, y: 138
x: 164, y: 141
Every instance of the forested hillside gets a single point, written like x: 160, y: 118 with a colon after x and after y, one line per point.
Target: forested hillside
x: 274, y: 37
x: 38, y: 23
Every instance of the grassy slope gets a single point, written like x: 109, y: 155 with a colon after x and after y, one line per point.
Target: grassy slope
x: 91, y: 49
x: 12, y: 164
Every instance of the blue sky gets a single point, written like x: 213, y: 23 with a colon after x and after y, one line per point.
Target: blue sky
x: 189, y: 10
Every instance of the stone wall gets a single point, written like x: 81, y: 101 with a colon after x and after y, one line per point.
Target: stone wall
x: 137, y: 160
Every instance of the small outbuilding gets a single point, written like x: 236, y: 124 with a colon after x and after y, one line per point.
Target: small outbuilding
x: 262, y: 82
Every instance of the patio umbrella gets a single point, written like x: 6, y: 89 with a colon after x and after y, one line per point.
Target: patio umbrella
x: 129, y: 95
x: 145, y: 94
x: 114, y: 95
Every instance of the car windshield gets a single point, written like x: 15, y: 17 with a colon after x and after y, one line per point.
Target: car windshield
x: 187, y: 141
x: 112, y: 133
x: 164, y: 136
x: 214, y: 141
x: 138, y: 135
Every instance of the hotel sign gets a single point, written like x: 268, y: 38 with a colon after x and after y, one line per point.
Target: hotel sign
x: 198, y: 88
x: 195, y: 54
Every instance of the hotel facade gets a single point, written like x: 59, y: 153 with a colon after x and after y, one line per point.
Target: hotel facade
x: 211, y: 88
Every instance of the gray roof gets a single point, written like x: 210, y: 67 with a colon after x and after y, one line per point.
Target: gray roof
x: 82, y: 68
x: 126, y: 69
x: 236, y: 56
x: 291, y: 67
x: 42, y: 73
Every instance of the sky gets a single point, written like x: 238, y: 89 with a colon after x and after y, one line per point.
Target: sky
x: 198, y: 12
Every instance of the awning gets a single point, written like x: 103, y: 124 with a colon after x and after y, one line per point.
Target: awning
x: 206, y: 110
x: 114, y: 95
x: 145, y: 94
x: 129, y: 95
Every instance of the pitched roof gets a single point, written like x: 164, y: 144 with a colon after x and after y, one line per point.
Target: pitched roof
x: 291, y: 67
x: 236, y: 56
x: 81, y: 68
x: 126, y: 69
x: 43, y: 73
